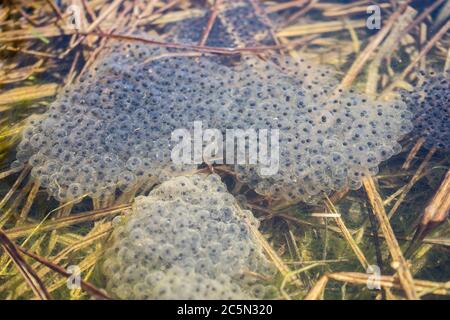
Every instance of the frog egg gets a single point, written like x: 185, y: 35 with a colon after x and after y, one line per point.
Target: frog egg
x: 75, y: 190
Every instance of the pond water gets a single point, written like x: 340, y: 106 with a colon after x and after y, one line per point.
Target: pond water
x: 227, y: 143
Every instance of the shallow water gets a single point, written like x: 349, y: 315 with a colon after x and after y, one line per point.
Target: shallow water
x: 105, y: 135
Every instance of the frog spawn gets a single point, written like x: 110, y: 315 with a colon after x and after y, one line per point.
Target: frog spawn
x: 326, y: 143
x: 430, y: 105
x: 113, y: 129
x: 186, y: 240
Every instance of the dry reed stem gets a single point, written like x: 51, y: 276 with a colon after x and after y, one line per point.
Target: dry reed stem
x: 85, y: 267
x: 26, y: 93
x: 91, y: 238
x: 64, y: 210
x: 399, y: 263
x: 347, y: 235
x: 87, y: 241
x: 56, y: 224
x: 386, y: 49
x: 319, y: 27
x: 218, y: 50
x: 364, y: 56
x: 34, y: 33
x: 303, y: 11
x: 17, y: 200
x: 336, y: 12
x: 24, y: 268
x: 393, y: 196
x: 422, y: 16
x: 9, y: 172
x: 386, y: 282
x: 301, y: 222
x: 21, y: 74
x: 209, y: 25
x: 261, y: 14
x: 434, y: 214
x: 286, y: 5
x: 30, y: 52
x: 29, y: 202
x: 15, y: 186
x: 93, y: 25
x: 329, y: 8
x: 75, y: 245
x: 389, y: 282
x: 438, y: 209
x: 100, y: 47
x: 430, y: 44
x: 287, y: 278
x: 159, y: 12
x: 71, y: 74
x: 417, y: 175
x: 54, y: 267
x: 419, y: 143
x: 316, y: 292
x: 90, y: 12
x: 277, y: 261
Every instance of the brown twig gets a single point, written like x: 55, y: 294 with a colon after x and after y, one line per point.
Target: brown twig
x: 218, y: 50
x: 14, y: 187
x: 158, y: 12
x: 54, y: 267
x: 94, y: 25
x: 9, y: 172
x: 286, y: 5
x: 30, y: 52
x: 29, y: 202
x: 27, y: 272
x: 271, y: 253
x: 347, y: 235
x: 388, y: 282
x: 98, y: 50
x: 90, y: 12
x: 317, y: 291
x: 377, y: 246
x: 339, y: 195
x: 261, y: 14
x: 55, y: 9
x: 302, y: 12
x: 209, y: 25
x: 422, y: 16
x: 361, y: 60
x: 421, y: 54
x: 434, y: 215
x: 417, y: 175
x: 399, y: 262
x: 419, y: 143
x: 18, y: 232
x: 300, y: 222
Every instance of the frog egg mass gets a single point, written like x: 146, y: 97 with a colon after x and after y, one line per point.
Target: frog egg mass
x: 113, y: 128
x: 187, y: 240
x: 430, y: 104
